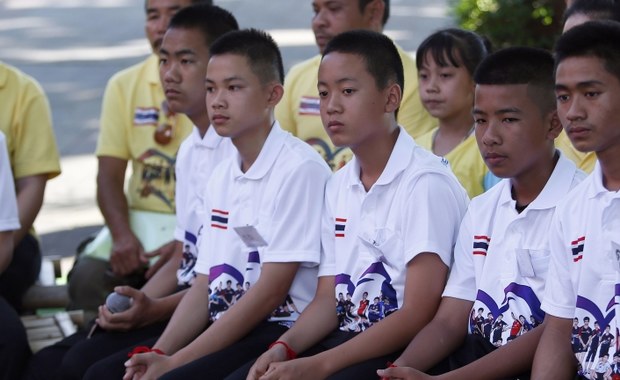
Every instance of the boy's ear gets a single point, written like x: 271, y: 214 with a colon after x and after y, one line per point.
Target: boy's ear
x: 555, y: 125
x: 394, y: 97
x: 375, y: 10
x: 276, y: 91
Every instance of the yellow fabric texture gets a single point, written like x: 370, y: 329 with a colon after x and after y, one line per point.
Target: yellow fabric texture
x: 465, y: 161
x: 298, y: 111
x: 584, y: 161
x: 131, y: 112
x: 25, y: 119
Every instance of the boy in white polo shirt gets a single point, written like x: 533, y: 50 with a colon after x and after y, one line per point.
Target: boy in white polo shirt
x: 584, y: 273
x: 262, y: 225
x: 390, y: 221
x: 502, y: 252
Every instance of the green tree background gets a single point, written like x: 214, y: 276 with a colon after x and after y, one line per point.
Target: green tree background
x: 505, y: 23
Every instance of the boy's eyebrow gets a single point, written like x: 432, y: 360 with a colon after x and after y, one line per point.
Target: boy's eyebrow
x: 580, y: 85
x: 339, y: 81
x: 477, y: 111
x: 184, y: 52
x: 225, y: 80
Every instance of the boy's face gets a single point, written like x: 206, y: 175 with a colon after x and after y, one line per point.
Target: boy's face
x: 332, y: 17
x: 352, y: 107
x: 512, y: 134
x: 588, y: 99
x: 236, y: 99
x: 445, y: 92
x: 158, y: 15
x: 183, y: 59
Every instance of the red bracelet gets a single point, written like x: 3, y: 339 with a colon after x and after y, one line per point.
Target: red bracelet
x: 290, y: 354
x: 144, y: 349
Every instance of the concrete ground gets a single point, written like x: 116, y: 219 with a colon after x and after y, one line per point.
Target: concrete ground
x: 73, y: 46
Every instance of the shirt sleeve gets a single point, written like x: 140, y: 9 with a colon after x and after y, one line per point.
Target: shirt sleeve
x: 36, y: 151
x: 560, y: 297
x: 113, y: 122
x: 462, y: 280
x: 433, y: 216
x: 327, y: 266
x: 9, y: 219
x: 296, y: 220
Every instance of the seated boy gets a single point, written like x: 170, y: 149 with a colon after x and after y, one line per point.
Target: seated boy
x: 184, y: 56
x: 585, y: 239
x: 391, y: 218
x: 262, y: 227
x: 502, y: 252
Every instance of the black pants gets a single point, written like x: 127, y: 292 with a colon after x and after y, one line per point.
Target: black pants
x: 474, y: 348
x: 70, y: 358
x: 364, y: 370
x: 22, y: 272
x: 14, y: 348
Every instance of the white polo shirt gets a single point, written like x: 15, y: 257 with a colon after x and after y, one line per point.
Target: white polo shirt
x: 368, y: 238
x: 501, y: 256
x: 280, y: 197
x: 9, y: 218
x: 584, y: 274
x: 197, y: 158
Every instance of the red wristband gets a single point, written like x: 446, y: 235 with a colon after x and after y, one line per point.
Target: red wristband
x: 144, y: 349
x: 290, y: 354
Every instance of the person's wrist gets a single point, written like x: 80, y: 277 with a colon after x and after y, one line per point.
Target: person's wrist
x: 290, y: 353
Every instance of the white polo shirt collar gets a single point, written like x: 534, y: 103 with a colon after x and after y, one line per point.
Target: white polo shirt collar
x: 559, y: 183
x: 399, y: 161
x: 210, y: 140
x: 267, y: 156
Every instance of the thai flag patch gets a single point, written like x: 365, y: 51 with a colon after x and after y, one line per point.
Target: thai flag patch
x: 577, y: 248
x: 481, y: 245
x: 146, y: 116
x: 340, y: 226
x: 309, y: 106
x: 219, y: 219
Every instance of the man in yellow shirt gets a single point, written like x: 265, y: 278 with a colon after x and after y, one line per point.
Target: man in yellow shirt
x: 26, y: 121
x: 298, y: 111
x: 136, y: 128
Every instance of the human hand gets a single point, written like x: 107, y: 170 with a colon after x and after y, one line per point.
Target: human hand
x: 127, y: 254
x: 404, y: 373
x: 147, y: 366
x: 139, y: 313
x: 275, y: 354
x: 298, y: 369
x: 166, y: 252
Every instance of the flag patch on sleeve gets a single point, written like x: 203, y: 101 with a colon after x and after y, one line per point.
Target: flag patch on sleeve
x: 340, y: 226
x: 481, y: 245
x: 577, y: 248
x: 219, y: 219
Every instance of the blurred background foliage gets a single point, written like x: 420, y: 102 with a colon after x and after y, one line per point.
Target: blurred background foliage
x: 505, y: 23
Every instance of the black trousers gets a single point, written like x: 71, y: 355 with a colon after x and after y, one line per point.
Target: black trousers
x: 70, y: 358
x: 22, y: 272
x: 14, y: 348
x: 364, y: 370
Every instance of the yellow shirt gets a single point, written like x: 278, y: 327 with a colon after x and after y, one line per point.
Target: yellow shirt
x: 584, y: 161
x: 298, y: 111
x: 465, y: 161
x: 130, y: 114
x: 25, y: 119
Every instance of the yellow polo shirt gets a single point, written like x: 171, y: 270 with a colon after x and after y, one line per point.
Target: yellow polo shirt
x: 584, y: 161
x: 130, y: 114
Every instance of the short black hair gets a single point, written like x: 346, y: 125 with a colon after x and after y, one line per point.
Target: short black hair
x: 210, y: 2
x: 258, y: 47
x: 211, y: 20
x: 594, y: 9
x: 521, y: 65
x: 378, y: 52
x: 453, y: 47
x: 386, y: 14
x: 592, y: 39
